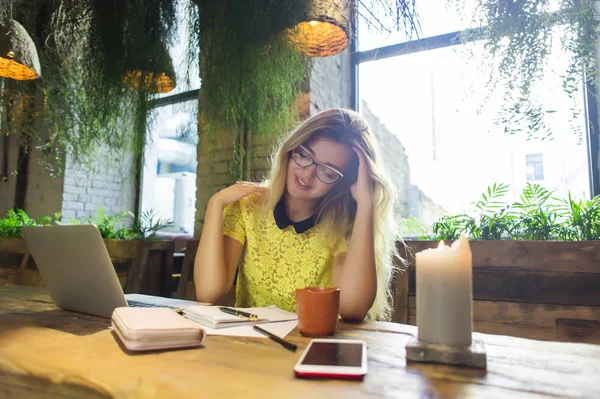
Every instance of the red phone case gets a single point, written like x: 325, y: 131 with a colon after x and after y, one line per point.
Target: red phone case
x: 307, y: 374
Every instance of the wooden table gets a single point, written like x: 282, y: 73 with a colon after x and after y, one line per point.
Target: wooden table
x: 47, y: 352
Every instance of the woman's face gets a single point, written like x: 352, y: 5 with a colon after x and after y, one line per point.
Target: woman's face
x: 302, y: 181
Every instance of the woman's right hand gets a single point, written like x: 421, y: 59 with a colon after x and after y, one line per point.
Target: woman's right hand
x: 236, y: 192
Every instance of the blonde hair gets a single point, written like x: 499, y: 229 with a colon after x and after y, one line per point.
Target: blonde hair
x: 337, y: 210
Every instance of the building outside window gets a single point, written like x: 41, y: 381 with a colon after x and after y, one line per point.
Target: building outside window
x: 170, y: 162
x: 439, y: 124
x: 169, y: 178
x: 534, y: 167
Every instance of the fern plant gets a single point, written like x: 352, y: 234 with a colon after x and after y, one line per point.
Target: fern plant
x: 113, y: 226
x: 452, y: 226
x: 537, y: 215
x: 148, y: 225
x: 539, y: 219
x: 495, y: 221
x: 108, y: 225
x: 582, y: 218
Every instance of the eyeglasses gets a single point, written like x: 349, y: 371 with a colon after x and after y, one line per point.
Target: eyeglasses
x: 325, y: 173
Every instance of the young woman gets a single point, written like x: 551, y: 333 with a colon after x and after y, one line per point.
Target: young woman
x: 324, y: 217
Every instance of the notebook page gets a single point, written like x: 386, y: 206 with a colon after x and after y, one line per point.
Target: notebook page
x: 265, y: 314
x: 281, y: 329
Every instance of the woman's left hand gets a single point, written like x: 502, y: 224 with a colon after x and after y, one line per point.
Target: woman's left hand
x: 362, y: 190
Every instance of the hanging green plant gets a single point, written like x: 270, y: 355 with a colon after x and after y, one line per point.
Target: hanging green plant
x: 250, y: 73
x: 84, y: 47
x: 518, y: 37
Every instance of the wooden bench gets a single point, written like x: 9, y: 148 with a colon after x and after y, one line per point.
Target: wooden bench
x: 531, y: 289
x: 186, y: 288
x: 141, y: 266
x: 14, y: 252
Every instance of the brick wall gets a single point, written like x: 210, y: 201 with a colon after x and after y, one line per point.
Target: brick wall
x: 214, y: 162
x: 213, y: 170
x: 44, y: 192
x: 43, y: 195
x: 330, y: 83
x: 7, y: 189
x: 108, y: 182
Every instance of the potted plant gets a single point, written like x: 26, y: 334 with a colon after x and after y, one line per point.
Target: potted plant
x: 536, y: 264
x: 134, y: 250
x: 14, y: 254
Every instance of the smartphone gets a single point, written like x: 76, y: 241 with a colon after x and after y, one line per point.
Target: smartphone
x: 333, y: 358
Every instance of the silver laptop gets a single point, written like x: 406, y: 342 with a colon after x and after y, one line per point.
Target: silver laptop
x: 78, y: 273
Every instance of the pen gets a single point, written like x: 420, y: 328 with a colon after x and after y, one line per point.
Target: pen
x: 283, y: 342
x: 235, y: 312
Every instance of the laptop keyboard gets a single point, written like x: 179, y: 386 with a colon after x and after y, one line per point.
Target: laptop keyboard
x: 137, y: 304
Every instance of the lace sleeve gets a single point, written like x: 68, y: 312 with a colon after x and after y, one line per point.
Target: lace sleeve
x: 341, y: 247
x: 233, y: 224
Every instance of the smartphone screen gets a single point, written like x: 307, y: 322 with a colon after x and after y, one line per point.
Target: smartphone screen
x: 334, y: 354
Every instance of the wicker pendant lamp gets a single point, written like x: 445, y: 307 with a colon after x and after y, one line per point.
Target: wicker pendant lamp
x: 323, y: 31
x: 151, y: 70
x: 18, y: 56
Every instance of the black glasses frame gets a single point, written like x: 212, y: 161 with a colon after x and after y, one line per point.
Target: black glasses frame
x: 318, y: 165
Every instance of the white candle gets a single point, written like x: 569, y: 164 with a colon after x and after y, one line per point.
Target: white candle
x: 444, y: 294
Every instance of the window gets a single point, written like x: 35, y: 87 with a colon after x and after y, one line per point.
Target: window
x: 169, y: 184
x: 439, y: 126
x: 534, y: 167
x: 436, y: 17
x: 170, y: 162
x: 185, y: 79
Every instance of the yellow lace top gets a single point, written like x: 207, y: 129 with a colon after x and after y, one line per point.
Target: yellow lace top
x: 275, y: 261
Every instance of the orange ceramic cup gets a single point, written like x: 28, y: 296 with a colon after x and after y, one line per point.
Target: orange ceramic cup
x: 318, y: 309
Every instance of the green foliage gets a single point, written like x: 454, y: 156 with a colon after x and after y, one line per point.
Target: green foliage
x: 583, y: 218
x: 110, y: 226
x: 451, y: 226
x: 538, y: 218
x: 490, y: 201
x: 518, y: 37
x: 148, y: 225
x: 11, y: 225
x: 411, y: 227
x: 250, y: 74
x: 85, y: 47
x: 537, y: 215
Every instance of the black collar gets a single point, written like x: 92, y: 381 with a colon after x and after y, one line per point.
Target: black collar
x: 283, y: 221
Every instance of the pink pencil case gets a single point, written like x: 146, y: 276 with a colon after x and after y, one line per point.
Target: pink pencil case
x: 146, y: 329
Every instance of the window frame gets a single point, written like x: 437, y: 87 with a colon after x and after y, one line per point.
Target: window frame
x: 590, y: 105
x: 535, y: 160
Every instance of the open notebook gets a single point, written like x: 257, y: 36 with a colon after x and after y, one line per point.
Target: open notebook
x: 212, y: 316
